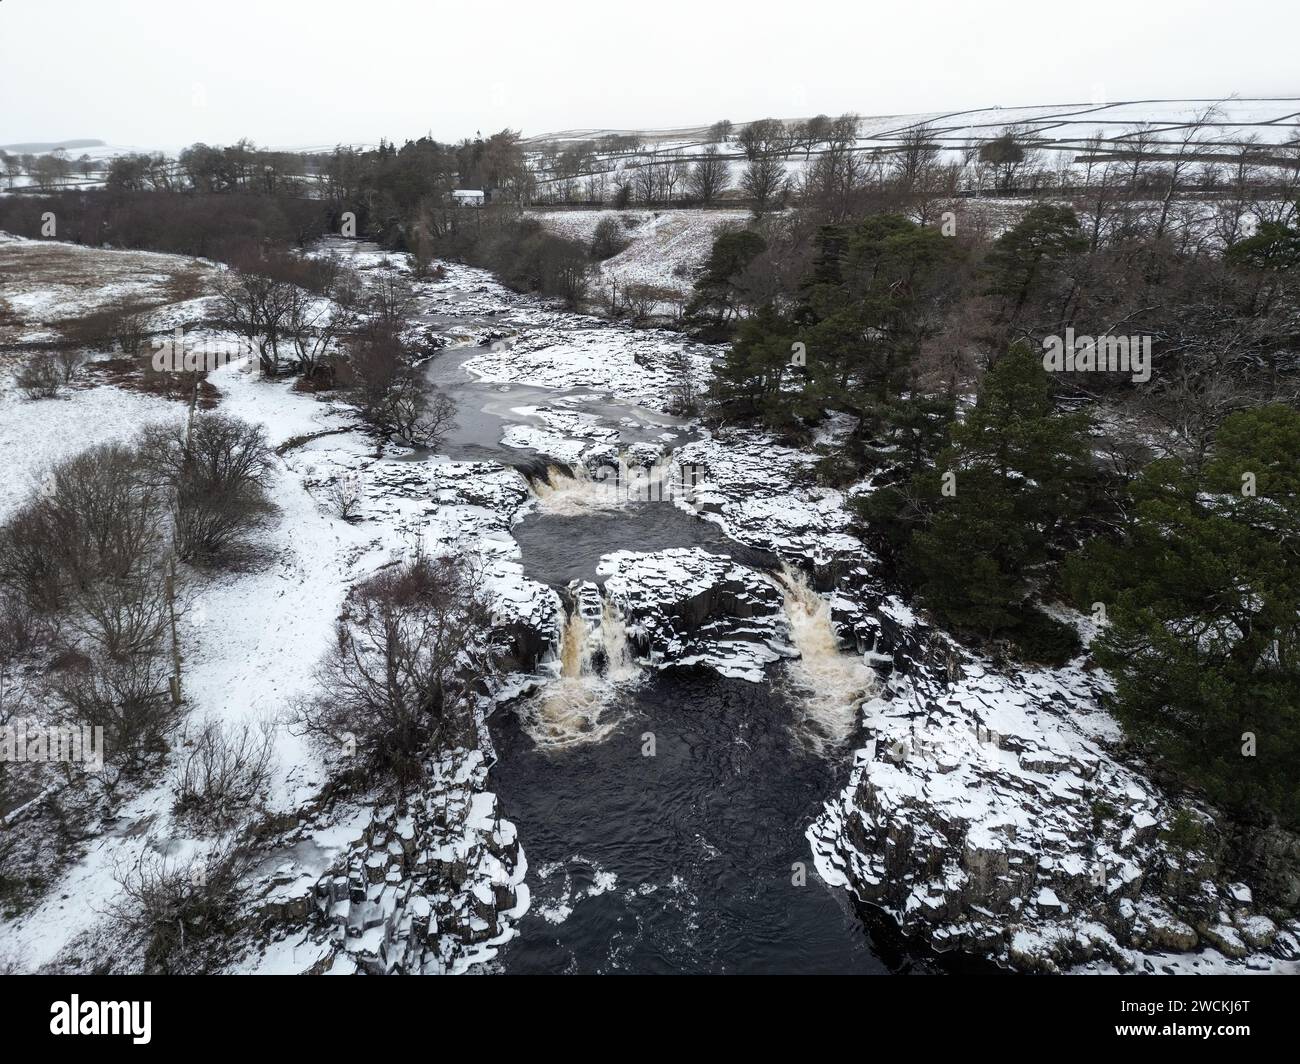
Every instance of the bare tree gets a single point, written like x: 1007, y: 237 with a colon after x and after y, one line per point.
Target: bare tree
x: 216, y: 471
x: 683, y: 393
x: 671, y: 174
x: 607, y: 240
x: 394, y: 396
x: 128, y: 697
x: 916, y: 154
x: 843, y: 132
x: 389, y: 301
x: 1189, y: 145
x: 129, y: 329
x: 1101, y: 191
x: 344, y: 495
x: 13, y: 167
x: 647, y: 182
x: 1009, y: 156
x: 20, y: 630
x: 125, y: 616
x: 259, y: 306
x: 420, y: 414
x: 766, y: 136
x: 400, y: 680
x: 1138, y: 143
x: 94, y: 519
x: 708, y: 177
x: 764, y: 181
x: 812, y: 132
x: 314, y: 325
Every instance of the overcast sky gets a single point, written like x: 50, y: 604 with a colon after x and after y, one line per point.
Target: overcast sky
x: 163, y: 73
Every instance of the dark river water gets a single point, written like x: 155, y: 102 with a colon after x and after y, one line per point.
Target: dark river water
x: 683, y: 861
x: 557, y: 549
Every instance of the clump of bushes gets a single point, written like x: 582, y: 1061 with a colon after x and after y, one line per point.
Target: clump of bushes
x: 405, y: 670
x: 184, y: 912
x: 607, y: 240
x: 224, y: 769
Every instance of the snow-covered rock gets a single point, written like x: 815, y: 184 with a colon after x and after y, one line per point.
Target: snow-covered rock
x: 429, y: 888
x: 762, y: 494
x: 685, y: 606
x: 987, y: 813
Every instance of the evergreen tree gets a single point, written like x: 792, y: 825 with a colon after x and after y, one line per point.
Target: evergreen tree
x: 1203, y: 604
x: 749, y: 385
x: 977, y: 530
x: 868, y: 309
x: 1273, y: 247
x: 718, y: 291
x: 1025, y: 259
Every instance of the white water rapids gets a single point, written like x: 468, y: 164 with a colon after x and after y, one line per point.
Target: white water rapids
x: 831, y: 684
x: 575, y: 707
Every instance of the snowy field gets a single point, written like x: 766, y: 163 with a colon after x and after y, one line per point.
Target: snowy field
x: 664, y: 248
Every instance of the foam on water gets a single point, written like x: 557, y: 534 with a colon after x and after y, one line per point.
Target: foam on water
x: 594, y: 663
x: 831, y: 685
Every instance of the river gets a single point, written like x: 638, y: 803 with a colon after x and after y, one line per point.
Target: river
x: 662, y: 812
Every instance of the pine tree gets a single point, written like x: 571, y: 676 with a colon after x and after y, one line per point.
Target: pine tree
x: 1025, y: 259
x: 1203, y: 604
x: 1016, y: 476
x: 751, y: 382
x: 717, y: 291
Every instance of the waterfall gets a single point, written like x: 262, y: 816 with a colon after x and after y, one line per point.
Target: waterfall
x: 595, y: 659
x: 566, y: 495
x: 830, y: 683
x: 574, y: 657
x: 617, y: 649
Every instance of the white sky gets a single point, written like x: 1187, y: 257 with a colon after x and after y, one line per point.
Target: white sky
x: 163, y: 73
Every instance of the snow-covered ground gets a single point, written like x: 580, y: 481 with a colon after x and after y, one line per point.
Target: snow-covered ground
x: 250, y: 639
x: 44, y: 281
x: 665, y: 249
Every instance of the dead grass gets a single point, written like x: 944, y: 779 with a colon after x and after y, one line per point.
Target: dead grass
x: 138, y: 375
x: 48, y: 285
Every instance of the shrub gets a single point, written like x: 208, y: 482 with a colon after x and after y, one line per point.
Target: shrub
x: 1044, y: 639
x: 607, y: 240
x: 183, y: 913
x: 41, y: 377
x: 130, y: 331
x: 343, y: 495
x: 224, y: 771
x: 402, y: 677
x: 642, y: 298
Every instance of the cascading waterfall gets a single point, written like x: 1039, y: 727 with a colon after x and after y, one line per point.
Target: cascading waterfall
x: 594, y: 661
x: 566, y: 495
x: 831, y: 684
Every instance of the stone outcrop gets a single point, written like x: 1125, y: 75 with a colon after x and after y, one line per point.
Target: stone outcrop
x: 685, y: 606
x: 987, y: 813
x: 762, y: 495
x: 432, y: 888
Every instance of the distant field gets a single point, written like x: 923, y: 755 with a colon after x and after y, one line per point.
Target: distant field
x: 1060, y: 131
